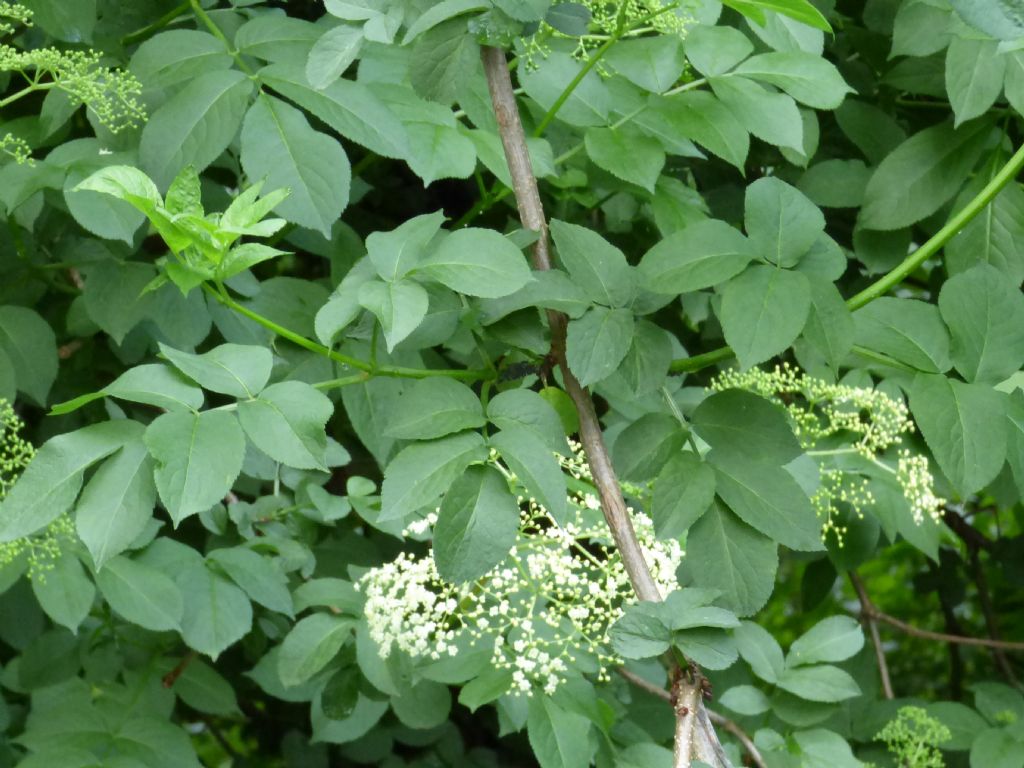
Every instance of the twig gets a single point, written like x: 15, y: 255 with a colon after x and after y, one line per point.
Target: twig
x: 531, y: 213
x: 171, y: 677
x: 718, y: 719
x: 865, y: 607
x: 873, y: 612
x: 971, y: 536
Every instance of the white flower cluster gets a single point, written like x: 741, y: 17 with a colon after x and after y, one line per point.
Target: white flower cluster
x: 863, y: 422
x: 545, y: 611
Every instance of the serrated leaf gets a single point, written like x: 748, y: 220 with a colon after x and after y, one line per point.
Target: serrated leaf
x: 700, y: 255
x: 238, y: 370
x: 683, y: 491
x: 477, y: 262
x: 434, y: 407
x: 217, y: 614
x: 806, y: 77
x: 526, y: 409
x: 747, y: 426
x: 597, y: 342
x: 310, y: 646
x: 823, y: 683
x: 535, y: 465
x: 761, y: 651
x: 332, y: 54
x: 198, y: 457
x: 597, y: 266
x: 836, y: 638
x: 423, y: 471
x: 400, y: 307
x: 286, y: 421
x: 703, y: 118
x: 908, y: 330
x: 763, y: 311
x: 780, y: 221
x: 626, y: 154
x: 30, y: 345
x: 476, y: 525
x: 143, y: 595
x: 65, y: 593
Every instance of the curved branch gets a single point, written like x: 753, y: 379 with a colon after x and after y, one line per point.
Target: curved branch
x: 876, y: 640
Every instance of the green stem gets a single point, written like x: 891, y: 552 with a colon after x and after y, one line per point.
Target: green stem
x: 884, y: 359
x: 26, y: 91
x: 344, y: 381
x: 567, y: 91
x: 368, y: 370
x: 895, y: 276
x: 214, y: 30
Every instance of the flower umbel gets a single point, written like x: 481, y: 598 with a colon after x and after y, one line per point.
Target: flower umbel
x: 544, y: 611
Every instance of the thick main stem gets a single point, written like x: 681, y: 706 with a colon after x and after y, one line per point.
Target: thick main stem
x: 613, y: 505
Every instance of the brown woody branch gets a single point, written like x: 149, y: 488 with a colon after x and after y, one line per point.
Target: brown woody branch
x: 870, y: 610
x: 876, y: 640
x: 613, y: 505
x: 720, y: 720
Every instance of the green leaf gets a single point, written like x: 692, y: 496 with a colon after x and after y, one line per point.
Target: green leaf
x: 177, y: 55
x: 434, y: 407
x: 310, y: 646
x: 643, y: 447
x: 767, y: 497
x: 725, y: 554
x: 594, y: 264
x: 444, y: 57
x: 423, y: 471
x: 710, y: 648
x: 141, y: 594
x: 397, y: 252
x: 332, y: 54
x: 714, y: 50
x: 836, y: 183
x: 908, y: 330
x: 974, y: 76
x: 286, y: 421
x: 645, y: 366
x: 535, y: 465
x: 477, y: 262
x: 998, y: 702
x: 30, y: 345
x: 700, y: 116
x: 587, y: 105
x: 439, y: 152
x: 232, y: 369
x: 65, y: 592
x: 559, y: 737
x: 425, y: 705
x: 806, y: 77
x: 569, y: 18
x: 195, y: 125
x: 699, y: 256
x: 446, y: 9
x: 525, y: 409
x: 763, y: 311
x: 996, y: 748
x: 823, y: 683
x: 746, y: 426
x: 683, y: 491
x: 640, y: 633
x: 217, y: 613
x: 476, y: 525
x: 830, y: 327
x: 597, y: 342
x: 760, y: 650
x: 985, y: 316
x: 348, y: 107
x: 260, y: 578
x: 276, y: 37
x: 485, y: 688
x: 49, y: 485
x: 116, y: 503
x: 279, y: 146
x: 922, y: 174
x: 800, y: 10
x: 400, y: 307
x: 745, y: 700
x: 964, y: 427
x: 772, y: 117
x: 995, y: 236
x: 653, y: 63
x: 836, y: 638
x: 198, y: 457
x: 205, y: 690
x: 626, y: 154
x: 780, y: 221
x: 71, y: 23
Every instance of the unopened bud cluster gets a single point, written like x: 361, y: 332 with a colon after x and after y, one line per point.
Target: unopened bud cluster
x: 42, y: 549
x: 544, y: 612
x: 864, y: 422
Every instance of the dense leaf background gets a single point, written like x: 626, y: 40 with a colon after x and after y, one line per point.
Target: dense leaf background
x: 236, y: 416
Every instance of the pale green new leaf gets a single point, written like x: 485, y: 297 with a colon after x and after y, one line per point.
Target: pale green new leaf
x: 800, y: 10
